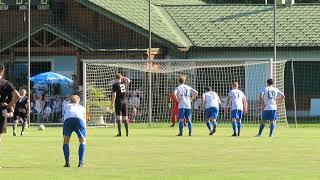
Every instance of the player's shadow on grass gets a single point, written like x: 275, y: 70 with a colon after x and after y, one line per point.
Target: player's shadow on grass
x: 15, y: 167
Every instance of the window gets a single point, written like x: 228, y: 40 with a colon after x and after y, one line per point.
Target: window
x: 19, y: 2
x: 44, y: 2
x: 19, y: 75
x: 2, y: 2
x: 40, y: 67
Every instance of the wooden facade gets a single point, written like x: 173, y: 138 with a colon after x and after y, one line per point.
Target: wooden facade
x: 110, y: 39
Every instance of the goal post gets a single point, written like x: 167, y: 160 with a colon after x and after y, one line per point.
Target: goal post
x: 163, y: 75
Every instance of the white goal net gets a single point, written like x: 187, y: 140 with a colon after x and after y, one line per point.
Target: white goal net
x: 152, y: 82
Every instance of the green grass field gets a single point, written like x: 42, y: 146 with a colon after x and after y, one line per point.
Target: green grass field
x: 156, y: 153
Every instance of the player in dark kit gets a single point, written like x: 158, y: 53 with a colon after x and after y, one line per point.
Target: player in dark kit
x: 8, y: 97
x: 119, y: 101
x: 21, y: 112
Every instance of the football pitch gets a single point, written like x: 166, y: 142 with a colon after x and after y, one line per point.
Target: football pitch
x: 156, y: 153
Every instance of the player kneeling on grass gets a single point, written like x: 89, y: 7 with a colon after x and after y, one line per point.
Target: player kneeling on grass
x: 185, y: 95
x: 268, y: 100
x: 21, y: 112
x: 212, y: 102
x: 74, y: 120
x: 238, y: 102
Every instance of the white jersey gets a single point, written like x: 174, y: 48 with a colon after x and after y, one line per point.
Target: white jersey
x: 74, y: 111
x: 270, y: 95
x: 211, y: 99
x: 184, y: 92
x: 236, y: 97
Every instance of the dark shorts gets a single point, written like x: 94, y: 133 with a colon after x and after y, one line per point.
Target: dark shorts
x: 16, y: 115
x: 74, y: 124
x: 121, y: 109
x: 3, y: 122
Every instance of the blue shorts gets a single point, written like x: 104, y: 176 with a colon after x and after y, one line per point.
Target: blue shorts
x: 212, y: 112
x: 269, y: 115
x: 236, y: 114
x: 184, y: 113
x: 74, y: 124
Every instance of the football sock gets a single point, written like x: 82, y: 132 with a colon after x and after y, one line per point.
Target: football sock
x: 173, y: 119
x: 234, y: 127
x: 214, y: 124
x: 261, y: 129
x: 125, y: 122
x: 119, y: 127
x: 272, y: 126
x: 66, y: 152
x: 190, y: 127
x: 209, y: 125
x: 15, y: 124
x: 24, y: 125
x: 81, y: 152
x: 180, y: 126
x: 239, y: 126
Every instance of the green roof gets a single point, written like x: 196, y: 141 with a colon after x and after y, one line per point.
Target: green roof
x: 186, y: 23
x: 248, y: 25
x: 71, y: 36
x: 193, y: 23
x: 134, y: 15
x: 178, y: 2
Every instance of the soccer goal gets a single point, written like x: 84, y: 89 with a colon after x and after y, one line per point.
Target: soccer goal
x: 152, y: 82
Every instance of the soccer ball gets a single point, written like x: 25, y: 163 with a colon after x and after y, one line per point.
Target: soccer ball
x: 41, y: 127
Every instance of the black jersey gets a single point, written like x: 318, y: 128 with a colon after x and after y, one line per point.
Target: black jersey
x: 21, y: 105
x: 6, y: 89
x: 120, y: 89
